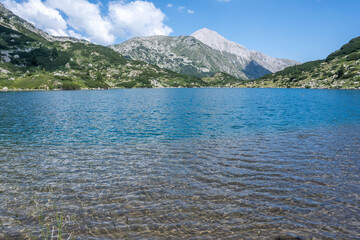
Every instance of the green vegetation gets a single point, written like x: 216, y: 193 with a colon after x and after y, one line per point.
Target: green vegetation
x: 341, y: 69
x: 185, y: 55
x: 31, y: 59
x: 296, y: 71
x: 69, y: 85
x: 48, y: 232
x: 223, y: 80
x: 351, y: 47
x: 11, y: 38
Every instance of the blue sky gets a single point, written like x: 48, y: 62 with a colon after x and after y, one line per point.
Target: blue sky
x: 302, y: 30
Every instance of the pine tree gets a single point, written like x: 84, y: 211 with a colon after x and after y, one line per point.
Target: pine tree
x: 99, y: 77
x: 34, y: 60
x: 54, y: 54
x: 341, y: 72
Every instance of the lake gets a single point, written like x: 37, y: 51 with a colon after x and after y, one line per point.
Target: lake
x: 180, y: 163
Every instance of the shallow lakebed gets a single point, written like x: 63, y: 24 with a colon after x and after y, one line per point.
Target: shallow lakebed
x: 180, y: 163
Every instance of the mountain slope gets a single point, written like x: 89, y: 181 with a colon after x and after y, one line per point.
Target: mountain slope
x: 10, y: 20
x: 194, y: 55
x: 341, y: 69
x: 245, y: 56
x: 183, y: 54
x: 32, y: 59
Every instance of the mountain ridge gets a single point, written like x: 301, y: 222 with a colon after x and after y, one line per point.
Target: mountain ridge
x: 32, y: 59
x: 218, y: 42
x: 15, y: 20
x: 340, y: 70
x: 194, y: 55
x: 183, y: 54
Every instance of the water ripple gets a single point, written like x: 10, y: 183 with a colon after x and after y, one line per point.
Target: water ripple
x: 149, y: 170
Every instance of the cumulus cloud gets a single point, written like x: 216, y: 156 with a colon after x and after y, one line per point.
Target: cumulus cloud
x: 83, y: 19
x: 74, y: 34
x: 138, y: 18
x: 84, y: 16
x: 42, y: 16
x: 170, y: 5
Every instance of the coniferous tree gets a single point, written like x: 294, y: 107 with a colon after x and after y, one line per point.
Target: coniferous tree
x: 341, y: 72
x: 54, y: 53
x: 34, y: 60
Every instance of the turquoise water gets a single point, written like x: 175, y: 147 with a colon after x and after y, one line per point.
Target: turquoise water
x: 159, y: 163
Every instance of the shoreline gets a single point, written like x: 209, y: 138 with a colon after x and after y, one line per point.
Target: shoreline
x: 104, y: 89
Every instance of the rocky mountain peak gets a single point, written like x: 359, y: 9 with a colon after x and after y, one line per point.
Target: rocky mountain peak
x: 218, y: 42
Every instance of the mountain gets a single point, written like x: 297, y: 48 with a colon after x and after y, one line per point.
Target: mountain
x: 32, y: 59
x: 204, y: 53
x: 182, y: 54
x: 10, y: 20
x: 244, y: 56
x: 341, y: 69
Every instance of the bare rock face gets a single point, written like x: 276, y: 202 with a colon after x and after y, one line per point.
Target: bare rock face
x: 202, y: 54
x: 218, y: 42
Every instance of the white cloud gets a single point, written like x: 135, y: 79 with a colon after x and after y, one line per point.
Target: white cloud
x: 85, y: 17
x: 42, y: 16
x: 184, y: 9
x: 77, y: 35
x: 138, y: 18
x: 170, y: 5
x: 181, y: 9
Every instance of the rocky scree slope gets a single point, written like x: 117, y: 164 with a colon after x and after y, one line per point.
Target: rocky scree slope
x: 243, y: 55
x: 204, y: 53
